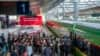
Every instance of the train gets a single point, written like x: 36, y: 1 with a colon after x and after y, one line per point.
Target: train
x: 85, y: 35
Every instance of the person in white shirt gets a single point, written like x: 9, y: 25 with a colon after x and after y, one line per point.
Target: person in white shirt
x: 29, y: 50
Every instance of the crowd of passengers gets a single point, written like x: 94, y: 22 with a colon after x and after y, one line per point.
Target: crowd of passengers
x: 30, y: 45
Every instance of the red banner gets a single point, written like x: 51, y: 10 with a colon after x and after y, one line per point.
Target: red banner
x: 26, y: 20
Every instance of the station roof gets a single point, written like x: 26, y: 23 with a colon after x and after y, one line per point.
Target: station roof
x: 67, y: 6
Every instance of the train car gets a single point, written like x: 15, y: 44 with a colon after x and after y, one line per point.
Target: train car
x: 85, y: 34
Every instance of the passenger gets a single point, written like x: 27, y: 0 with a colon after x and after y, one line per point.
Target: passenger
x: 47, y: 51
x: 21, y: 49
x: 88, y: 49
x: 62, y: 49
x: 10, y: 42
x: 38, y: 46
x: 14, y: 53
x: 4, y: 49
x: 67, y: 47
x: 29, y: 49
x: 2, y: 37
x: 25, y: 53
x: 44, y: 35
x: 2, y: 40
x: 58, y: 48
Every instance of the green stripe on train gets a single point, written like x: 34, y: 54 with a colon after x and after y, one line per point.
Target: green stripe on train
x: 86, y: 29
x: 91, y: 34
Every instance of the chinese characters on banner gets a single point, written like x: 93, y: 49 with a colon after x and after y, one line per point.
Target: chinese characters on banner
x: 31, y: 21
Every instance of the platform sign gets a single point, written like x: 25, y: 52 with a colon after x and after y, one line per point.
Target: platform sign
x: 30, y: 21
